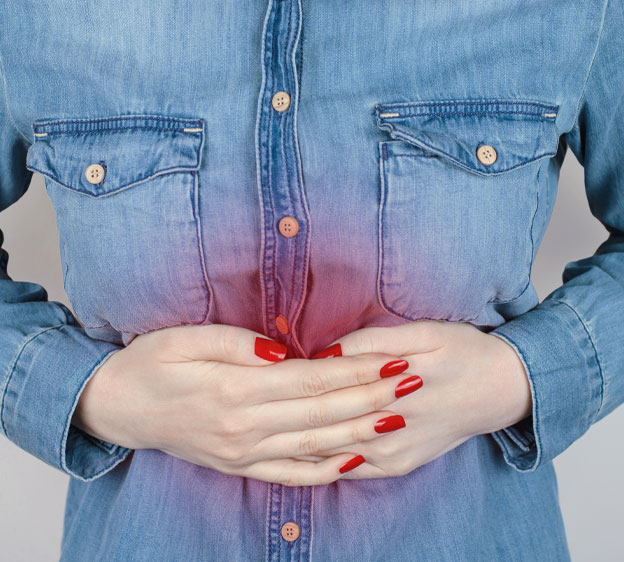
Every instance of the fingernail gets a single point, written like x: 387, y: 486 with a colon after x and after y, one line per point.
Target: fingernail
x: 389, y: 423
x: 350, y: 465
x: 408, y: 385
x: 334, y: 350
x: 393, y: 368
x: 269, y: 349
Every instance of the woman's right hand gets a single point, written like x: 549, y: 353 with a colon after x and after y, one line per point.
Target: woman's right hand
x: 202, y: 394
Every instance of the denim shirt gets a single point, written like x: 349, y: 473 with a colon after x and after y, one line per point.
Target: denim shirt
x: 306, y: 169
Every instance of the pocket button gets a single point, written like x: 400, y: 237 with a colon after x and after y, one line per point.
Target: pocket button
x: 486, y: 154
x: 94, y: 173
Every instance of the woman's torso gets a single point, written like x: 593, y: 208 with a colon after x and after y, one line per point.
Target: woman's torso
x: 374, y: 161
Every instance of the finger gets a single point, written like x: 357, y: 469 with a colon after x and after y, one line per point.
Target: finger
x: 343, y: 404
x: 315, y: 441
x: 221, y: 342
x: 291, y: 472
x: 420, y: 336
x: 313, y: 458
x: 366, y: 470
x: 300, y: 378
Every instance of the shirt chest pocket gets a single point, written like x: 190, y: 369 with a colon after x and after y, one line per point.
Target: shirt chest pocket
x: 458, y: 195
x: 125, y: 192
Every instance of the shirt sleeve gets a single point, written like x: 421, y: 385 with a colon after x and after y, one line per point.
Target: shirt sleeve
x: 46, y: 357
x: 572, y: 343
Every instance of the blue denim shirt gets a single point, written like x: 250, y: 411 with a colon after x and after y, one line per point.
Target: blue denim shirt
x: 419, y: 156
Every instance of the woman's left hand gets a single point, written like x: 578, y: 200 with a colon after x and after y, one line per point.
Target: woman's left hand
x: 473, y: 383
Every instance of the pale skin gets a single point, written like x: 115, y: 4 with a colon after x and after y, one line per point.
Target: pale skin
x: 201, y: 394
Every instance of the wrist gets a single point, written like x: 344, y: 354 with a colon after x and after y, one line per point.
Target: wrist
x: 510, y: 391
x: 519, y: 389
x: 95, y: 412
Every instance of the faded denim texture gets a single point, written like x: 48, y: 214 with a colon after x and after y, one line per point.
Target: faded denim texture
x: 399, y: 220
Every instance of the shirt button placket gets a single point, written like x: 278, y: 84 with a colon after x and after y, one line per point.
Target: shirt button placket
x: 285, y: 221
x: 281, y: 101
x: 285, y: 246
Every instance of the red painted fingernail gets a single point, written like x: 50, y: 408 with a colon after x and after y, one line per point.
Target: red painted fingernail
x: 350, y: 465
x: 269, y: 349
x: 334, y: 350
x: 408, y: 385
x: 389, y: 423
x: 393, y: 368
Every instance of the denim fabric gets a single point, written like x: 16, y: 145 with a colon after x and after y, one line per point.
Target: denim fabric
x: 399, y: 220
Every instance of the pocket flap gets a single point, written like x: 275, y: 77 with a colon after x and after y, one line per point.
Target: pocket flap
x: 130, y: 149
x: 519, y: 131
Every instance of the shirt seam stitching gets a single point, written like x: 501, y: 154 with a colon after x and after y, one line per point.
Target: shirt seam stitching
x: 517, y: 462
x: 517, y: 438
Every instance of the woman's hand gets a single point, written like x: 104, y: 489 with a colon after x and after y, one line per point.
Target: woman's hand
x: 474, y: 383
x: 202, y: 394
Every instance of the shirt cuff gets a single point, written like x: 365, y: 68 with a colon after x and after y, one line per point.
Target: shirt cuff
x: 43, y: 386
x: 565, y: 378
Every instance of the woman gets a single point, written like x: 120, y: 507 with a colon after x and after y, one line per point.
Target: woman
x: 298, y: 239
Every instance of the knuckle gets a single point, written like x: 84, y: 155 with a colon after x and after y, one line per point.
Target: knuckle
x: 231, y: 428
x: 368, y: 337
x: 329, y: 478
x: 326, y: 477
x: 230, y: 341
x: 318, y: 416
x: 384, y: 449
x: 363, y: 369
x: 308, y: 444
x: 356, y: 434
x: 377, y: 400
x: 314, y: 383
x: 288, y: 479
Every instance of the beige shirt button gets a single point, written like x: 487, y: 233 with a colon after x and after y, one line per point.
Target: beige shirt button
x: 282, y: 324
x: 281, y: 101
x: 94, y: 173
x: 290, y: 531
x: 288, y: 226
x: 486, y: 154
